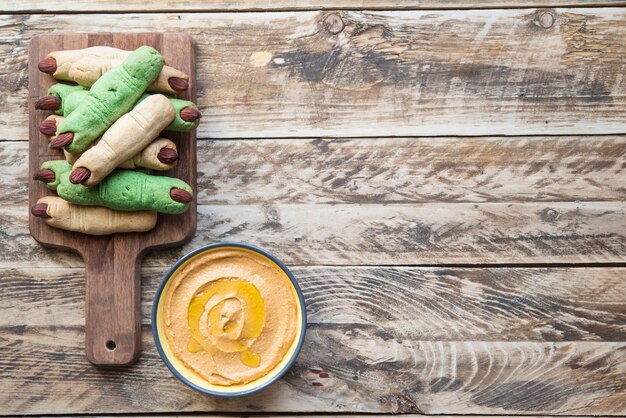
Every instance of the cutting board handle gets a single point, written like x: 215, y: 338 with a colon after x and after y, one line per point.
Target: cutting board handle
x: 112, y: 306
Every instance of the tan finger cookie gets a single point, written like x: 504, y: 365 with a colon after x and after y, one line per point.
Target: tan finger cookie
x: 93, y: 220
x: 128, y: 136
x: 86, y: 66
x: 161, y: 155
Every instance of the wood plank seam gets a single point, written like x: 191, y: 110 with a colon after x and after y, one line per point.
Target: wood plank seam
x: 345, y: 5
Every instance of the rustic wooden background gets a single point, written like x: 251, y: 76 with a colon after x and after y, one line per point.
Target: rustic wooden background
x: 448, y: 186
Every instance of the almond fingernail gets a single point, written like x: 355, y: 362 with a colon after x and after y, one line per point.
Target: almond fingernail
x: 180, y: 195
x: 189, y: 114
x: 40, y: 210
x: 48, y: 65
x: 79, y: 175
x: 167, y: 155
x: 48, y: 127
x: 178, y: 84
x: 62, y: 140
x: 45, y: 175
x: 48, y: 103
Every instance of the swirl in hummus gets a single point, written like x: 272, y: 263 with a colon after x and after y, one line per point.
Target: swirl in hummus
x: 230, y: 315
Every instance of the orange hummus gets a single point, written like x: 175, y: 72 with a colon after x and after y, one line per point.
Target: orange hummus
x: 230, y: 315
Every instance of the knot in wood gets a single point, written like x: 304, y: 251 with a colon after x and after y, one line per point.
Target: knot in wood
x: 272, y: 215
x: 549, y: 215
x: 546, y: 20
x: 333, y: 23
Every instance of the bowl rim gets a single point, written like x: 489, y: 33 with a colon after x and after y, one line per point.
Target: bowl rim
x: 166, y: 278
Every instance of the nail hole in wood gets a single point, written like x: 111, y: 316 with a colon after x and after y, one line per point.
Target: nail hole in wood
x: 110, y: 345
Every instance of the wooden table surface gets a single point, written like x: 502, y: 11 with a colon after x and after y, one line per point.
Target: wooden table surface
x: 446, y: 179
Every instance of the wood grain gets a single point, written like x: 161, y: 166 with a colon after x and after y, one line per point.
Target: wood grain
x: 413, y: 170
x: 436, y: 233
x: 117, y: 6
x: 338, y: 370
x: 429, y: 304
x: 456, y: 233
x: 451, y: 341
x: 398, y: 339
x: 387, y: 235
x: 111, y: 262
x: 405, y: 73
x: 391, y: 170
x: 386, y: 206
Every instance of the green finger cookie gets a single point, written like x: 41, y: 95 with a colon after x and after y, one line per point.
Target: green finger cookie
x: 70, y: 99
x: 71, y: 96
x: 110, y: 97
x: 70, y: 102
x: 127, y: 190
x: 178, y: 124
x: 59, y: 167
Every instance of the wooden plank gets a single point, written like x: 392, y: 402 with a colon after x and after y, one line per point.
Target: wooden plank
x: 424, y: 365
x: 412, y: 234
x: 437, y: 233
x: 390, y: 234
x: 118, y: 6
x: 413, y: 170
x: 429, y: 304
x: 403, y: 73
x: 338, y: 370
x: 418, y: 211
x: 391, y: 170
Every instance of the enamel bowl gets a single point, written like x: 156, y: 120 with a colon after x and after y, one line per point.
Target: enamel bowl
x: 189, y: 377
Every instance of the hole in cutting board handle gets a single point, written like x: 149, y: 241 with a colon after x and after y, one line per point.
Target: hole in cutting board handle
x: 110, y: 345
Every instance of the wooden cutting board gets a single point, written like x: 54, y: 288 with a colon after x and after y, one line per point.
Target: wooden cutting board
x: 112, y: 315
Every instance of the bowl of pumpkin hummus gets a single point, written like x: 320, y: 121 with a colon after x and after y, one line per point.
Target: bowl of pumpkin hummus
x: 228, y: 319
